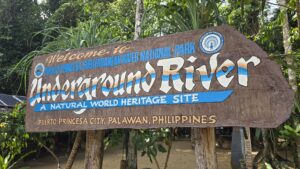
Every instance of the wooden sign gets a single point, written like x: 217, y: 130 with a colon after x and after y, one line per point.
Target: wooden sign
x: 203, y: 78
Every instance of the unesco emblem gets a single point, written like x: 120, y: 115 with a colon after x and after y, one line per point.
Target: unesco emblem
x: 211, y: 42
x: 39, y: 70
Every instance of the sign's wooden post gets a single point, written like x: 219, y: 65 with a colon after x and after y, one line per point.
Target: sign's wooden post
x: 237, y: 148
x: 205, y: 148
x: 94, y: 149
x: 132, y: 151
x: 248, y: 149
x: 241, y: 149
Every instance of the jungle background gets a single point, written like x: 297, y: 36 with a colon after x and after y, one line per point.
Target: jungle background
x: 29, y: 28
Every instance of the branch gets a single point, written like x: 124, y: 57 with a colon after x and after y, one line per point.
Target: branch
x: 271, y: 3
x: 74, y: 151
x: 52, y: 153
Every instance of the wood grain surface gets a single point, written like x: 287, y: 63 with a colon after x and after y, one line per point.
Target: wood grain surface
x: 265, y: 102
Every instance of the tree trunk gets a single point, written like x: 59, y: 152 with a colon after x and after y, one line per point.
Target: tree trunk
x: 205, y: 148
x: 169, y: 149
x: 74, y: 150
x: 287, y: 46
x: 94, y: 149
x: 291, y: 73
x: 131, y: 155
x: 297, y: 140
x: 265, y: 142
x: 138, y: 18
x: 298, y: 16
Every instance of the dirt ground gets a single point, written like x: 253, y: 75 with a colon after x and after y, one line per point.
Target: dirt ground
x: 181, y: 157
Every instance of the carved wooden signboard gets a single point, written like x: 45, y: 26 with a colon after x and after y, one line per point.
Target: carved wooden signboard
x: 202, y: 78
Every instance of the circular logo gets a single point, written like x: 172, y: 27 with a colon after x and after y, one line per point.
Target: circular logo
x: 211, y: 42
x: 39, y: 70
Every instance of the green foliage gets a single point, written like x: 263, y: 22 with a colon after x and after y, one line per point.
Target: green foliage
x: 266, y: 166
x: 269, y: 37
x: 13, y: 138
x: 244, y: 15
x: 178, y: 16
x: 113, y: 139
x: 18, y: 20
x: 66, y: 15
x: 9, y: 161
x: 119, y: 19
x: 81, y: 23
x: 290, y: 132
x: 86, y: 34
x: 150, y: 142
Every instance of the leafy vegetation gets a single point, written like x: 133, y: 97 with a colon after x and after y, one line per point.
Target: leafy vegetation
x: 8, y: 161
x: 29, y: 29
x: 14, y: 140
x: 151, y: 142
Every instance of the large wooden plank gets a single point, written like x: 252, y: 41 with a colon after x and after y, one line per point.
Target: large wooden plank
x: 256, y: 96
